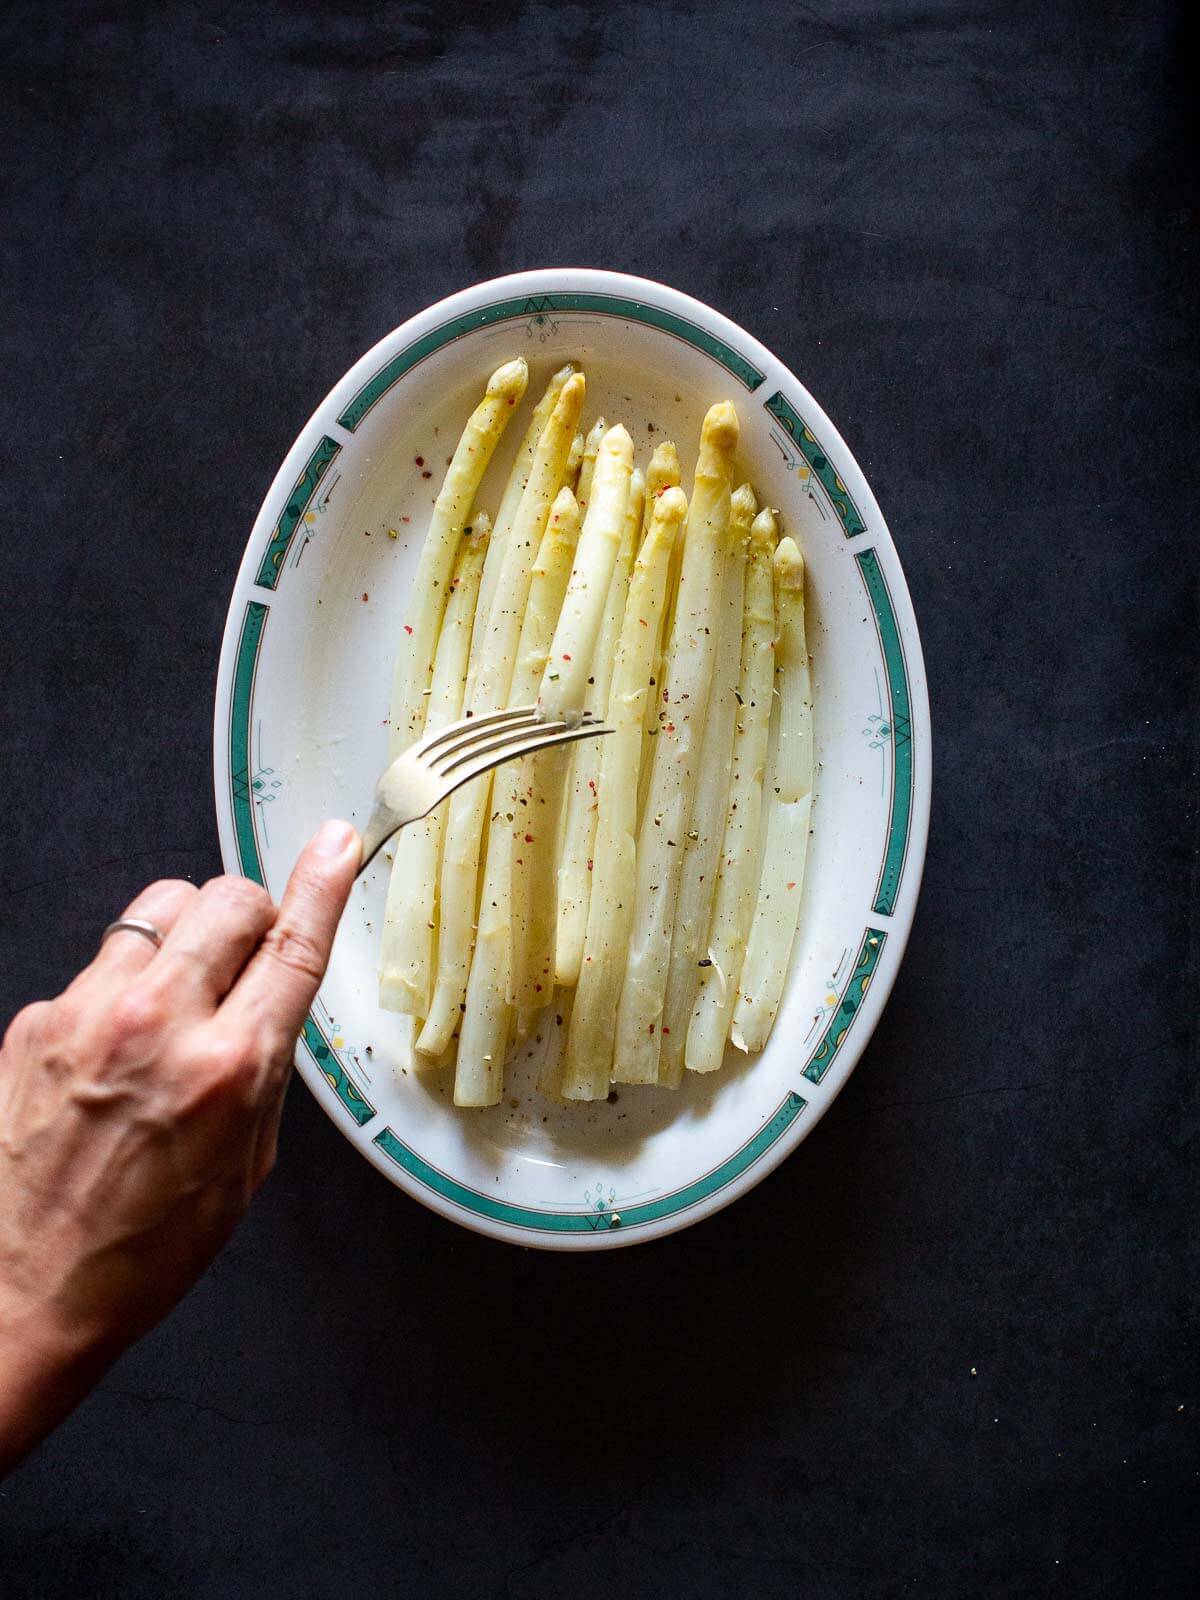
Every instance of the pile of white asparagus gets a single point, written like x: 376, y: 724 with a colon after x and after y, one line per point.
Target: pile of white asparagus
x: 641, y: 889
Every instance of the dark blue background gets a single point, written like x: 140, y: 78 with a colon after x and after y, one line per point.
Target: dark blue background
x: 970, y: 227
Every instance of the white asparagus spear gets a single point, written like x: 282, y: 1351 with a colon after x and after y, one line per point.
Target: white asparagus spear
x: 545, y: 608
x: 564, y: 682
x: 408, y: 1059
x: 583, y: 788
x: 493, y: 675
x: 589, y: 1046
x: 736, y: 884
x: 510, y: 502
x: 663, y: 827
x: 483, y: 1036
x: 673, y: 585
x: 564, y: 688
x: 702, y: 849
x: 427, y: 596
x: 574, y: 462
x: 662, y: 473
x: 483, y: 1030
x: 587, y: 466
x: 406, y: 963
x: 789, y: 807
x: 554, y: 1035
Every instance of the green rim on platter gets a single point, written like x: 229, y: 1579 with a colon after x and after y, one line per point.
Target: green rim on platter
x: 605, y: 1213
x: 539, y: 311
x: 298, y: 502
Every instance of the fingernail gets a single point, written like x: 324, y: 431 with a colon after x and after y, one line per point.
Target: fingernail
x: 333, y: 839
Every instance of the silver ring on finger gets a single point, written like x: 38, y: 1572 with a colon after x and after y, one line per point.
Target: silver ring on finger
x: 134, y: 925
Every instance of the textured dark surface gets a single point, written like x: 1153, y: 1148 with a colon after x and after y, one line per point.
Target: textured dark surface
x: 945, y: 1349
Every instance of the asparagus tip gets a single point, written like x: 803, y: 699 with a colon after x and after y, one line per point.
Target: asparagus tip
x: 508, y: 382
x: 789, y: 565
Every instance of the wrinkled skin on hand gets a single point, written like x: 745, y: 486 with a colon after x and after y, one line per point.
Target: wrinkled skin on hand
x: 139, y: 1112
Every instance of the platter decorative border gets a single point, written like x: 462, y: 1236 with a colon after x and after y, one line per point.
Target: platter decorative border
x: 543, y: 305
x: 298, y: 502
x: 616, y: 1216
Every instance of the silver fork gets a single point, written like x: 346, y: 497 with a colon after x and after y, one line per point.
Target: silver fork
x: 436, y: 765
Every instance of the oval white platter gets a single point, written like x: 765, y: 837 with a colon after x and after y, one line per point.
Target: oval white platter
x: 301, y: 734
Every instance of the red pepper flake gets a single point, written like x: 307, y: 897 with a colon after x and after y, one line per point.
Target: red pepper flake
x: 642, y: 621
x: 791, y: 885
x: 528, y: 838
x: 365, y: 595
x: 589, y: 863
x: 651, y: 1027
x: 512, y: 399
x: 407, y: 629
x: 566, y: 657
x: 592, y: 785
x: 420, y: 460
x: 520, y: 862
x: 537, y: 988
x: 670, y: 727
x: 405, y: 519
x: 666, y: 696
x: 666, y: 1030
x: 427, y: 473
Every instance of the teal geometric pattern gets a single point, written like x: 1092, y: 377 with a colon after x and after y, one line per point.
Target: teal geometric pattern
x: 327, y: 1062
x: 612, y: 1217
x: 797, y: 430
x: 896, y: 849
x: 298, y: 503
x: 847, y: 1006
x: 245, y: 669
x: 604, y: 305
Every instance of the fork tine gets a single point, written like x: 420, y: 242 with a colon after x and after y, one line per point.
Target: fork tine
x: 403, y: 792
x: 547, y: 736
x: 467, y: 728
x: 492, y: 739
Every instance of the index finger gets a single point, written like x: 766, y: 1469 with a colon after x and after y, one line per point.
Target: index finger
x: 271, y: 998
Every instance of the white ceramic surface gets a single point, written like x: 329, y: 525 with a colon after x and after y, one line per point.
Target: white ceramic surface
x: 300, y: 734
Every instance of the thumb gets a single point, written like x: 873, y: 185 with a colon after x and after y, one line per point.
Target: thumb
x: 281, y: 979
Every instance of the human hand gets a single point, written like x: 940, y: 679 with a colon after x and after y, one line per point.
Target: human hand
x: 139, y: 1113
